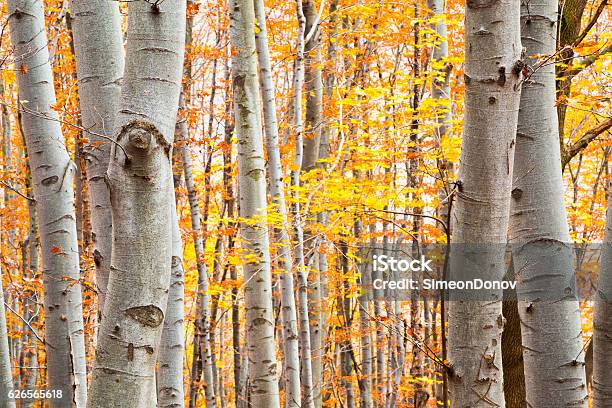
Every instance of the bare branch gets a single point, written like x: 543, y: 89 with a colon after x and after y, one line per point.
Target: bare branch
x: 570, y: 151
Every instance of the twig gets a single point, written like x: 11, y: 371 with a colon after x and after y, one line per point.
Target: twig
x: 14, y: 190
x: 26, y: 323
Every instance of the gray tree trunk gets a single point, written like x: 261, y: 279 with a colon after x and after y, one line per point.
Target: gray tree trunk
x: 365, y: 382
x: 140, y: 179
x: 541, y: 249
x: 262, y: 368
x: 52, y: 173
x: 170, y: 388
x: 202, y: 328
x: 602, y: 330
x: 313, y: 84
x: 291, y: 360
x: 98, y: 44
x: 492, y: 94
x: 6, y: 372
x: 302, y: 272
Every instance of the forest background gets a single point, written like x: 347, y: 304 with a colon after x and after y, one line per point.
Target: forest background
x: 361, y: 145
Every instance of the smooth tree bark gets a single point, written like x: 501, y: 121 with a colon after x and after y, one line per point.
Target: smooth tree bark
x: 541, y: 249
x: 602, y: 322
x: 262, y: 385
x: 296, y: 212
x: 170, y: 388
x: 6, y: 372
x: 313, y: 84
x: 53, y: 174
x: 202, y: 323
x: 291, y: 358
x: 140, y: 180
x: 98, y: 44
x: 492, y: 94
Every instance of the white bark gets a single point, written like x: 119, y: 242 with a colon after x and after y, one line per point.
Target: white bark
x: 302, y: 271
x: 602, y: 323
x: 551, y: 330
x: 262, y: 382
x: 202, y: 334
x: 96, y: 28
x: 52, y: 173
x: 291, y: 360
x: 170, y: 388
x: 140, y: 179
x: 6, y: 373
x: 492, y: 93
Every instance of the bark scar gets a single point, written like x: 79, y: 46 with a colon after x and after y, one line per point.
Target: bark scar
x: 150, y: 315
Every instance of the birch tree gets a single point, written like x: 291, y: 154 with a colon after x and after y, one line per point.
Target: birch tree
x: 96, y: 27
x: 53, y: 174
x: 291, y: 360
x: 170, y: 389
x: 492, y: 93
x: 140, y: 180
x: 203, y: 321
x: 312, y: 141
x: 262, y: 382
x: 6, y: 373
x: 541, y: 249
x: 602, y: 323
x: 302, y: 272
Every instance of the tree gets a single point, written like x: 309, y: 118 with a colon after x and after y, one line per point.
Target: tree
x: 98, y: 46
x: 53, y: 174
x: 492, y: 92
x: 602, y: 322
x: 291, y: 360
x: 6, y: 372
x: 170, y: 390
x: 541, y: 249
x: 202, y: 340
x: 262, y: 383
x: 140, y: 180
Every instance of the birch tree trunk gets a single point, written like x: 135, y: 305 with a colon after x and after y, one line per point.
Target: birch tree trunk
x: 98, y: 44
x: 302, y: 272
x: 6, y: 372
x: 202, y: 334
x: 170, y: 389
x: 602, y: 323
x: 53, y: 173
x: 492, y: 94
x: 541, y: 249
x: 140, y: 179
x: 262, y: 383
x: 312, y: 142
x: 291, y: 360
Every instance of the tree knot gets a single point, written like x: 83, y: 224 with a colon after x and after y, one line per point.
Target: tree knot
x: 150, y: 315
x: 141, y: 136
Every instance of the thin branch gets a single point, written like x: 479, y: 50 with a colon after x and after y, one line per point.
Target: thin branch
x: 14, y: 190
x: 26, y: 323
x: 315, y: 25
x: 590, y: 135
x: 591, y: 23
x: 43, y: 115
x: 587, y: 61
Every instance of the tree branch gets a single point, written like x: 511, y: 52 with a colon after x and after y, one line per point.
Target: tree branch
x: 591, y: 23
x: 570, y: 151
x: 586, y: 62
